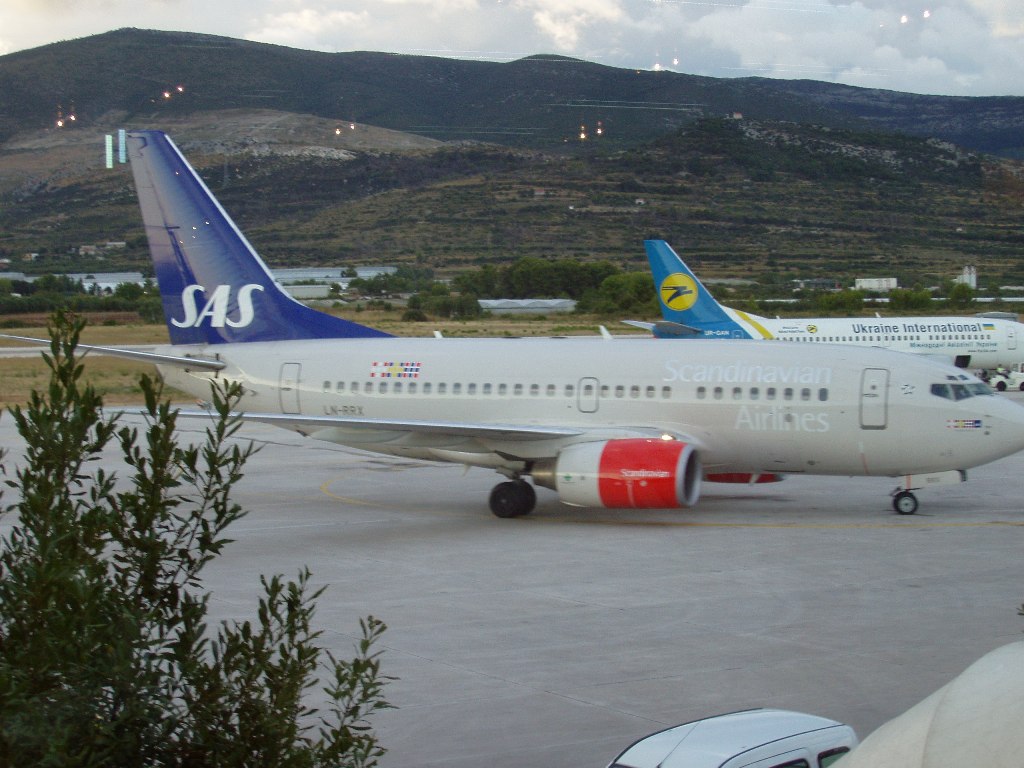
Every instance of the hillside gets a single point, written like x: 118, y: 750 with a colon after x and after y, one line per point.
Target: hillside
x: 540, y: 102
x: 350, y: 159
x: 773, y: 200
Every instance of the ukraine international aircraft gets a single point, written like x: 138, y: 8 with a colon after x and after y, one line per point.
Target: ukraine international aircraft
x: 604, y: 423
x: 688, y: 309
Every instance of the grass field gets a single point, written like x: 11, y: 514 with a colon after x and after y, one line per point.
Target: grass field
x: 116, y: 379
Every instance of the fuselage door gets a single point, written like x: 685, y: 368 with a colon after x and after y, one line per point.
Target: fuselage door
x: 874, y: 395
x: 1011, y: 337
x: 288, y: 387
x: 587, y: 394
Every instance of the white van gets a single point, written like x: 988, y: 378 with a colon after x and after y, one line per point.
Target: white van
x: 753, y: 738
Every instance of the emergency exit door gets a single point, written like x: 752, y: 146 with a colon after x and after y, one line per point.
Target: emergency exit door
x: 588, y: 394
x: 874, y: 396
x: 288, y: 387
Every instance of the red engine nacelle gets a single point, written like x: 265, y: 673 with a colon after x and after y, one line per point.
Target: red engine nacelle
x: 629, y: 474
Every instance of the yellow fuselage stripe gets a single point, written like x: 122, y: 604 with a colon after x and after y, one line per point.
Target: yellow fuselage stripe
x: 765, y: 333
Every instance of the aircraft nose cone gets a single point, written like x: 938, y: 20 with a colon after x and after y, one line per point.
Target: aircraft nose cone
x: 1009, y: 421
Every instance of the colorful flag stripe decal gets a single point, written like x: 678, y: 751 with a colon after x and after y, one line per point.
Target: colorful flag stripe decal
x: 963, y: 423
x: 393, y: 370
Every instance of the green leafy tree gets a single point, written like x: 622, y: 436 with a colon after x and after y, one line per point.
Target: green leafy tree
x: 960, y: 296
x: 106, y: 658
x: 480, y: 282
x: 843, y: 302
x: 527, y: 277
x: 626, y: 292
x: 58, y: 284
x: 907, y: 299
x: 129, y: 291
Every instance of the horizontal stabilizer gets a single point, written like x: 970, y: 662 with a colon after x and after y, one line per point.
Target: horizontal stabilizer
x: 142, y: 355
x: 665, y: 328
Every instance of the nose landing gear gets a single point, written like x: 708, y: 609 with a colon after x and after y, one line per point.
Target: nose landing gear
x: 903, y: 499
x: 904, y: 502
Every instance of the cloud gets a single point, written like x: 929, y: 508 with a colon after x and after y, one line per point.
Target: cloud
x: 949, y: 49
x: 305, y: 27
x: 437, y: 7
x: 1004, y: 16
x: 434, y: 27
x: 563, y: 21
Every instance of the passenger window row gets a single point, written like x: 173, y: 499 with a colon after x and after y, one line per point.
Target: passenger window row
x: 487, y: 389
x: 606, y: 391
x: 898, y: 337
x: 804, y: 394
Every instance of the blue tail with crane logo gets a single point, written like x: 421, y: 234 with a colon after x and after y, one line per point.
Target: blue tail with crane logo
x: 685, y: 303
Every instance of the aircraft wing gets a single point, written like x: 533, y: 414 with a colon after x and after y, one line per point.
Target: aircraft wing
x: 484, y: 431
x: 156, y: 358
x: 310, y: 424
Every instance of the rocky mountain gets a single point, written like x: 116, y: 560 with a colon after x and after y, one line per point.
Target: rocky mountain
x: 141, y: 77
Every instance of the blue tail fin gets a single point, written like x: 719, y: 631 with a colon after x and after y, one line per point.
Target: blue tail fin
x: 685, y: 301
x: 214, y: 287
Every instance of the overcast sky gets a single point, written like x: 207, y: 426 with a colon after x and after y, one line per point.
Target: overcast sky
x: 953, y: 47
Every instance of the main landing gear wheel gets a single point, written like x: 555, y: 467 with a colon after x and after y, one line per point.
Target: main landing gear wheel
x: 905, y: 503
x: 513, y: 498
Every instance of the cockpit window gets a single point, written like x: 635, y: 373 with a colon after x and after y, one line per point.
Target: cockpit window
x: 961, y: 391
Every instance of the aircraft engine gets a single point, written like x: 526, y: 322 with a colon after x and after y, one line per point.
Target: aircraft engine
x: 631, y: 473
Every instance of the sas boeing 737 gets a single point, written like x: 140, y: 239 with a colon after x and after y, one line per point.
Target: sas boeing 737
x: 604, y: 423
x: 688, y: 309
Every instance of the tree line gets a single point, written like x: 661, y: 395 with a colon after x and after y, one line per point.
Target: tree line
x: 598, y: 287
x: 49, y: 293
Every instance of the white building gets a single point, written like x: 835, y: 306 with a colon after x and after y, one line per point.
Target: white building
x: 969, y: 276
x: 526, y: 306
x: 876, y: 284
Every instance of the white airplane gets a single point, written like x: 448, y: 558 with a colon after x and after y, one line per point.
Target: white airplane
x: 604, y: 423
x: 688, y: 309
